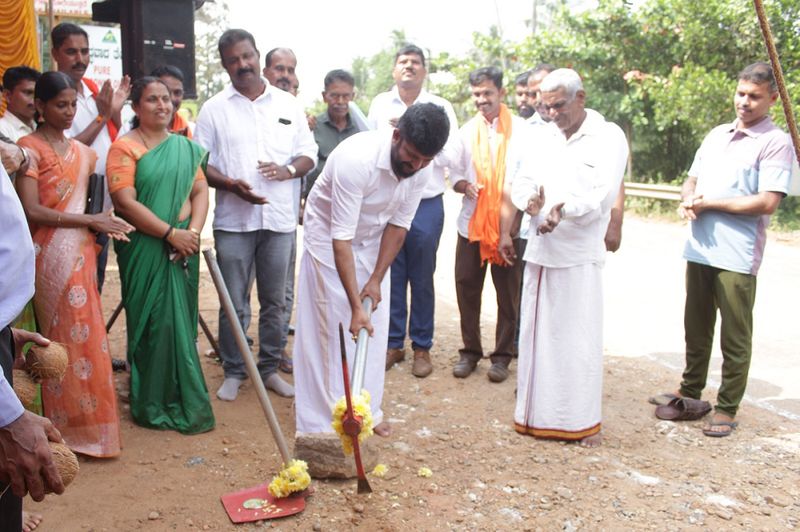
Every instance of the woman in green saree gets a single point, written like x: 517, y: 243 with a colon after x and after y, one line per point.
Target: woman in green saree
x: 157, y: 184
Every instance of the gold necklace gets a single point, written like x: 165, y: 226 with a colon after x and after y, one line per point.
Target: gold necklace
x: 139, y: 132
x: 59, y: 157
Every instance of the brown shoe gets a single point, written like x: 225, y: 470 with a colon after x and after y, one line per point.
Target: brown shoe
x: 498, y: 372
x: 422, y: 363
x: 393, y: 356
x: 465, y: 366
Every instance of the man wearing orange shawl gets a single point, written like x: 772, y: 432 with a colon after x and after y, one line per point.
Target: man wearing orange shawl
x: 486, y: 232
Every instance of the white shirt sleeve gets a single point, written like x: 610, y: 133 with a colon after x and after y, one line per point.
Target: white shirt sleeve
x: 204, y: 131
x: 10, y: 407
x: 347, y: 192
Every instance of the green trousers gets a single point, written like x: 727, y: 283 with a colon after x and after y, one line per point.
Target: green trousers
x: 709, y: 289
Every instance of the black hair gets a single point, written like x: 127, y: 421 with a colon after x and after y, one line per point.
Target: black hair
x: 543, y: 67
x: 758, y: 73
x: 339, y: 75
x: 137, y: 89
x: 426, y: 126
x: 167, y: 70
x: 50, y: 84
x: 410, y: 49
x: 16, y: 75
x: 231, y: 37
x: 491, y: 73
x: 268, y: 57
x: 522, y: 79
x: 64, y: 30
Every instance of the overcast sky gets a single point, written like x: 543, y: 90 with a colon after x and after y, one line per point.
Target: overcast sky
x: 328, y: 35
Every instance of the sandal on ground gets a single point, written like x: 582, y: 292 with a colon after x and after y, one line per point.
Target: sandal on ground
x: 716, y: 434
x: 683, y: 409
x: 662, y: 399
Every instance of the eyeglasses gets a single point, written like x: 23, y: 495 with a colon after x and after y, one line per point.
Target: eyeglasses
x: 347, y: 96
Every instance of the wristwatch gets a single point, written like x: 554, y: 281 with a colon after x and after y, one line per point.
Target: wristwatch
x: 292, y: 170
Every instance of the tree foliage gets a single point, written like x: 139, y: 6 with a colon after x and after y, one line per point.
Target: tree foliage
x: 208, y: 23
x: 664, y: 70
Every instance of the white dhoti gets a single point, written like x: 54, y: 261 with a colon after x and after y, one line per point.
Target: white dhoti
x: 560, y: 367
x: 321, y: 305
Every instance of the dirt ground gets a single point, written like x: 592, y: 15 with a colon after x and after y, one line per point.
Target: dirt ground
x: 649, y: 474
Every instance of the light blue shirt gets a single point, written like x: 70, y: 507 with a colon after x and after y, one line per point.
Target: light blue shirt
x: 17, y: 262
x: 735, y: 163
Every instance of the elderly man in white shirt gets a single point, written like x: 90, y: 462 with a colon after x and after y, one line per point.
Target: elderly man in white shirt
x: 260, y: 146
x: 416, y: 262
x: 355, y: 221
x: 569, y: 195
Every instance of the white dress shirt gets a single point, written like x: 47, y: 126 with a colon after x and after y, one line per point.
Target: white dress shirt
x: 14, y: 128
x: 85, y: 114
x: 17, y: 262
x: 238, y: 133
x: 464, y: 169
x: 585, y: 173
x: 388, y: 105
x: 356, y: 196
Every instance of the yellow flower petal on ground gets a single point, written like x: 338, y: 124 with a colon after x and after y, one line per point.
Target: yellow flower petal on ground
x: 379, y: 471
x: 424, y: 472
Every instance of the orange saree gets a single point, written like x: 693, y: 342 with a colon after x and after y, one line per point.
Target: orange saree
x: 83, y: 406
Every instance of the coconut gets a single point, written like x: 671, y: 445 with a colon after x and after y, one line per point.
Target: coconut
x: 66, y: 462
x: 25, y: 389
x: 47, y: 362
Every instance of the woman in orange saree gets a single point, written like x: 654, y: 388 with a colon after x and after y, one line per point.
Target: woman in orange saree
x: 53, y: 192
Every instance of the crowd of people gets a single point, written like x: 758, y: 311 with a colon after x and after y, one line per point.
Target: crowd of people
x: 542, y: 205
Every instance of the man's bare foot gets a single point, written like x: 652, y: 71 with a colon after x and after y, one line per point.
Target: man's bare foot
x: 720, y: 425
x: 595, y: 440
x: 663, y: 398
x: 382, y: 429
x: 30, y: 521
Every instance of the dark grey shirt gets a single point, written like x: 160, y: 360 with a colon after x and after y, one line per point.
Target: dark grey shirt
x: 327, y: 137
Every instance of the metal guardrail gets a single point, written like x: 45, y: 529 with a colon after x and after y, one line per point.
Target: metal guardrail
x: 644, y: 190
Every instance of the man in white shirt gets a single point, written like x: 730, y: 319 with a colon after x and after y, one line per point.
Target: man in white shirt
x: 416, y: 262
x: 486, y: 232
x: 259, y: 146
x: 18, y: 85
x: 356, y: 218
x: 97, y: 117
x: 569, y: 194
x: 26, y: 464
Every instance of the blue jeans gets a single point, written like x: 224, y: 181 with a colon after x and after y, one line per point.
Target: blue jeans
x: 415, y: 265
x: 239, y: 255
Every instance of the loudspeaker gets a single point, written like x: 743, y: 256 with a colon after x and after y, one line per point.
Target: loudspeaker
x: 154, y: 33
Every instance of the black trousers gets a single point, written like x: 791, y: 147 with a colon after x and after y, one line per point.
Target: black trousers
x: 10, y: 504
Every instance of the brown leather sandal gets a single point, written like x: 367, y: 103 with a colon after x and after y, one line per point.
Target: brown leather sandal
x: 683, y: 409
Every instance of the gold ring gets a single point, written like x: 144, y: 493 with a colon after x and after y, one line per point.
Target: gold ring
x: 355, y: 337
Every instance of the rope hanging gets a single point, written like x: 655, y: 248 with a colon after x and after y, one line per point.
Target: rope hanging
x: 776, y: 68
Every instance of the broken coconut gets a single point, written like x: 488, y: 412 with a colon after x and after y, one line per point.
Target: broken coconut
x: 25, y: 389
x: 66, y: 462
x: 47, y: 362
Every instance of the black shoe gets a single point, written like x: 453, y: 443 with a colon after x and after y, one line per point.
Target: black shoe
x: 465, y: 366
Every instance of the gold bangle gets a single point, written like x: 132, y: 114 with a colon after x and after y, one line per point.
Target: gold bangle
x: 172, y: 233
x: 195, y: 231
x: 58, y: 222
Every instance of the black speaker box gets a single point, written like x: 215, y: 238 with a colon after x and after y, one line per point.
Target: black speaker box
x: 154, y: 33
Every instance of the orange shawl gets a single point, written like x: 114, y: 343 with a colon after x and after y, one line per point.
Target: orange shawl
x: 484, y: 226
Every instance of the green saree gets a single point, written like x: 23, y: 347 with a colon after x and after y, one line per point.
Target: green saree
x: 167, y: 390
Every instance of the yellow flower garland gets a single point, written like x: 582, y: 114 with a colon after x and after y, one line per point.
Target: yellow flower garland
x: 293, y: 478
x: 360, y: 408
